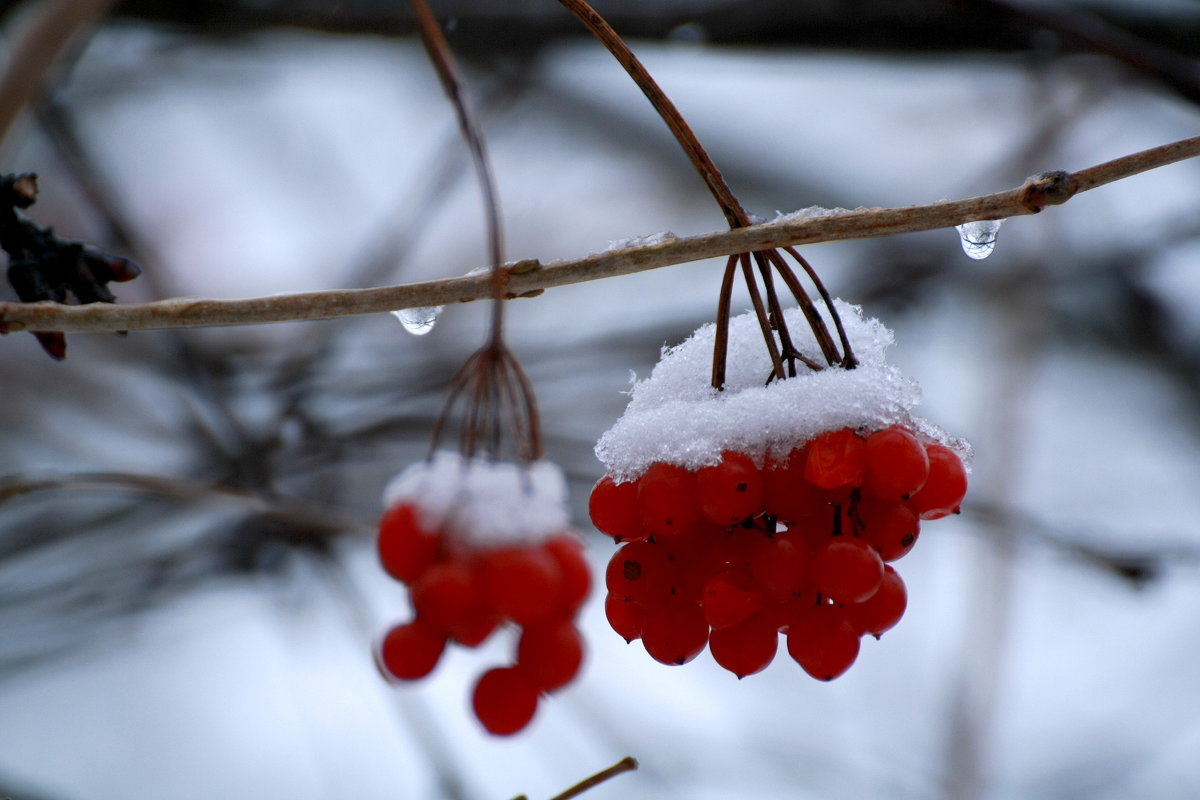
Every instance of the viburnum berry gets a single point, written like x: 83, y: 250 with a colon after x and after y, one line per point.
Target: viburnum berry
x: 412, y: 650
x: 639, y: 571
x: 550, y: 655
x: 881, y: 611
x: 448, y: 595
x: 406, y: 548
x: 521, y: 583
x: 729, y: 597
x: 823, y: 642
x: 835, y: 459
x: 626, y: 617
x: 730, y: 491
x: 847, y: 569
x: 746, y: 647
x: 946, y: 486
x: 504, y: 700
x: 667, y: 503
x: 575, y: 575
x: 891, y: 528
x: 674, y: 633
x: 614, y: 510
x: 896, y: 464
x: 787, y: 494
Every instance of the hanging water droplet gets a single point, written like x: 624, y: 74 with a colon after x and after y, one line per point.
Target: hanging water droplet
x: 418, y: 321
x: 979, y: 237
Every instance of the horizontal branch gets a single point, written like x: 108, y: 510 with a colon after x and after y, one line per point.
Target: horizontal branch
x: 529, y: 277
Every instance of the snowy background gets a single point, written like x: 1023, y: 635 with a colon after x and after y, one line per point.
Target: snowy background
x: 155, y: 647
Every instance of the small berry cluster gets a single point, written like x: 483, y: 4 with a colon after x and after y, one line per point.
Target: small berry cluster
x: 463, y: 588
x: 732, y: 554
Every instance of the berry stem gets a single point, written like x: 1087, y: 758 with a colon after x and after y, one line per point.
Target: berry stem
x: 771, y: 324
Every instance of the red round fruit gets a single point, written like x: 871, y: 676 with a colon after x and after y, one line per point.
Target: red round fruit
x: 613, y: 509
x: 729, y: 597
x: 639, y: 571
x: 730, y: 491
x: 575, y: 573
x: 667, y: 502
x: 448, y: 595
x: 835, y: 459
x: 521, y: 583
x: 406, y: 548
x: 746, y: 647
x: 881, y: 611
x: 674, y: 633
x: 787, y: 495
x: 946, y: 486
x: 412, y: 650
x: 550, y: 655
x: 847, y: 569
x: 626, y: 617
x: 823, y: 642
x: 896, y: 464
x: 891, y: 528
x: 504, y: 700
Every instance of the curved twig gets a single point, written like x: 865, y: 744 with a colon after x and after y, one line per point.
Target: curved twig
x: 527, y: 277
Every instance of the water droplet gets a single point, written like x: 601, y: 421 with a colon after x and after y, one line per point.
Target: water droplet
x: 418, y: 321
x: 979, y: 237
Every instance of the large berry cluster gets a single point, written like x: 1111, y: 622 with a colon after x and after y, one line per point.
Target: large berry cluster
x: 731, y: 554
x: 481, y: 546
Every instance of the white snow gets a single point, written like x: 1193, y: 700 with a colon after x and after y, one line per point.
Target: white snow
x: 485, y: 503
x: 676, y: 416
x: 641, y: 241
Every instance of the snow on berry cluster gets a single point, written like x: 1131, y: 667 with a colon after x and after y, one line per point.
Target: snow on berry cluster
x: 483, y: 544
x: 768, y: 509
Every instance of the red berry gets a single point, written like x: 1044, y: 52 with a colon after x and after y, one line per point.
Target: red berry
x: 613, y: 509
x: 412, y: 650
x: 626, y: 617
x: 729, y: 597
x: 448, y: 596
x: 896, y: 464
x: 835, y: 459
x: 550, y: 655
x: 521, y: 583
x: 730, y: 491
x: 746, y: 647
x: 406, y: 549
x: 639, y: 571
x: 891, y: 528
x: 674, y: 633
x: 881, y: 611
x: 783, y: 571
x: 504, y: 700
x: 574, y: 571
x: 787, y: 495
x: 943, y: 492
x: 823, y: 642
x: 847, y: 569
x: 667, y: 503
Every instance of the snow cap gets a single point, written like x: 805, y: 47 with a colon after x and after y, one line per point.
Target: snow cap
x: 484, y: 503
x: 676, y: 416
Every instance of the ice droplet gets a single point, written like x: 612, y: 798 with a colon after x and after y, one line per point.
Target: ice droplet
x: 979, y: 237
x: 419, y: 321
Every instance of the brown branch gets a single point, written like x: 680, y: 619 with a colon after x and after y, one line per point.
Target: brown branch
x: 527, y: 277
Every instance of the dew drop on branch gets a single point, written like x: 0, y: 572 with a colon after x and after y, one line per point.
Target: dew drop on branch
x: 419, y: 321
x: 979, y: 237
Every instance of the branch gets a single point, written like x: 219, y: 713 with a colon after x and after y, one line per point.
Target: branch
x: 528, y: 277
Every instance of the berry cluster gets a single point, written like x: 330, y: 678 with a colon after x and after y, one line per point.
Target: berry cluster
x: 463, y: 587
x: 729, y: 555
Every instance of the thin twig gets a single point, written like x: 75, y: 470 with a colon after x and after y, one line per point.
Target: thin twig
x: 1031, y: 197
x: 626, y: 764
